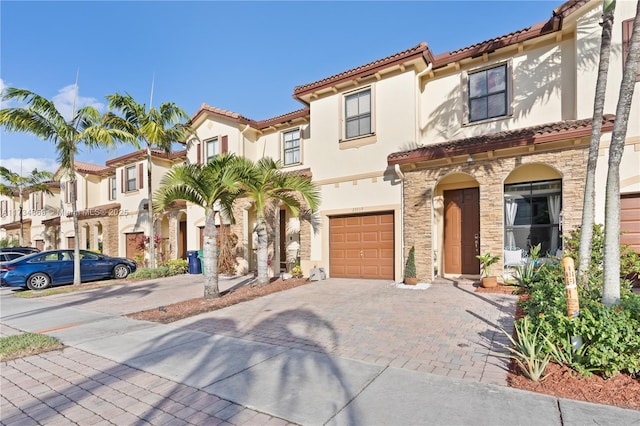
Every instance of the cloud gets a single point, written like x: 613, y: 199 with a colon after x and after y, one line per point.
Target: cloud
x: 65, y: 98
x: 24, y: 166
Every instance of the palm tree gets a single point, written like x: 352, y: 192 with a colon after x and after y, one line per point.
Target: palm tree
x: 214, y: 187
x: 151, y: 128
x: 40, y: 117
x: 611, y: 284
x: 269, y: 186
x: 588, y: 207
x: 16, y: 184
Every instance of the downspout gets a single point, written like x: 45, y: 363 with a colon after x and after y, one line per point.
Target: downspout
x: 242, y: 139
x: 398, y: 172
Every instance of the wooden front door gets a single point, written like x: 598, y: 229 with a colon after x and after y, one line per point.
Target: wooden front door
x: 182, y: 240
x: 132, y: 246
x: 461, y: 231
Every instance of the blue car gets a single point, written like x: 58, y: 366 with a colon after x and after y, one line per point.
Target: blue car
x: 41, y: 270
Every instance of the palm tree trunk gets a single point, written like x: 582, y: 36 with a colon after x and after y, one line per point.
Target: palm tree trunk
x: 152, y: 236
x: 588, y: 207
x: 77, y: 280
x: 611, y: 285
x: 210, y: 256
x: 262, y: 252
x: 21, y: 219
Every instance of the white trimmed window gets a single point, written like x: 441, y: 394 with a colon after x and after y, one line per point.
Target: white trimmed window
x: 212, y: 147
x: 291, y: 147
x: 112, y: 188
x: 487, y: 92
x: 132, y: 179
x: 357, y: 114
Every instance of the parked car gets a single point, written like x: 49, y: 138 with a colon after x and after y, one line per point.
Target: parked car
x: 48, y: 268
x: 25, y: 250
x: 7, y: 256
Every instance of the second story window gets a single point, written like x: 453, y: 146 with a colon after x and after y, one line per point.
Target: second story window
x: 212, y: 149
x: 357, y: 114
x: 131, y: 178
x: 36, y: 200
x: 488, y: 94
x: 291, y: 144
x: 112, y: 188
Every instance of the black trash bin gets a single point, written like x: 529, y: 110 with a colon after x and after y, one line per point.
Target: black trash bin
x: 194, y: 262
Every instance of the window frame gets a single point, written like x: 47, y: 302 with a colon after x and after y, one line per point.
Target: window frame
x: 297, y: 148
x: 129, y: 180
x: 113, y: 188
x: 536, y: 190
x: 466, y: 77
x: 216, y: 141
x: 371, y: 114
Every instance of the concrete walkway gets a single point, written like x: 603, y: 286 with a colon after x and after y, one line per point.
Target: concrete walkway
x: 343, y: 352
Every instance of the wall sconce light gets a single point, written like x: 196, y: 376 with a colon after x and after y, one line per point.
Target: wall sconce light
x: 469, y: 159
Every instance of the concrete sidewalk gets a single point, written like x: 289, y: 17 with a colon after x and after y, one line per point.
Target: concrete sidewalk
x: 122, y: 371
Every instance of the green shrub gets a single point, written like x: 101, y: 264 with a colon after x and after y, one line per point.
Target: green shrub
x: 176, y: 266
x: 162, y: 271
x: 629, y: 259
x: 410, y: 267
x: 611, y: 342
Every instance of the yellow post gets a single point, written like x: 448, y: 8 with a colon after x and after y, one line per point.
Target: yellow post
x: 573, y: 306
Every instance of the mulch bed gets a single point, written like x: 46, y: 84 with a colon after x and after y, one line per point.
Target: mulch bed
x: 176, y: 311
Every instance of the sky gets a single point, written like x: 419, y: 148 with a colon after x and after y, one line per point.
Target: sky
x: 245, y: 57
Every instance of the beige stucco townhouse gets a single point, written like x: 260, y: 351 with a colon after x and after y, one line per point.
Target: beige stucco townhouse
x: 457, y: 154
x: 504, y: 128
x: 37, y: 208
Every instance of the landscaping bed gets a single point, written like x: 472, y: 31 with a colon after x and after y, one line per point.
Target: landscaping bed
x: 620, y: 390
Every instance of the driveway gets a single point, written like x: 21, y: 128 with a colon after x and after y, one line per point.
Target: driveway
x: 446, y: 329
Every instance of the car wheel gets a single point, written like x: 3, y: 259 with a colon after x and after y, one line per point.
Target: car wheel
x: 38, y: 281
x: 120, y: 271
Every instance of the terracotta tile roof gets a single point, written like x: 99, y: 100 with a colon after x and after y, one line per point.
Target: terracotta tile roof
x: 299, y: 172
x: 545, y: 27
x: 508, y: 139
x: 222, y: 113
x: 280, y: 119
x: 256, y: 124
x: 15, y: 225
x: 52, y: 221
x: 421, y: 50
x: 142, y: 154
x: 93, y: 169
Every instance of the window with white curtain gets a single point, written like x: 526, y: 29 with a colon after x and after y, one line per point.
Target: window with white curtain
x: 532, y: 215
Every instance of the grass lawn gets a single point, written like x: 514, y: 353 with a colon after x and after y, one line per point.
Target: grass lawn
x: 21, y: 345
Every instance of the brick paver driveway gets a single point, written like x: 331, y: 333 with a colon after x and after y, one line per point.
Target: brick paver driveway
x: 446, y: 329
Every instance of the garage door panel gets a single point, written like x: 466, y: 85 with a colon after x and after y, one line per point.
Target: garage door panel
x: 362, y: 246
x: 370, y: 237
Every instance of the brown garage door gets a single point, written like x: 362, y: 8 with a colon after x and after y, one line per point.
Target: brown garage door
x: 630, y: 220
x: 361, y: 246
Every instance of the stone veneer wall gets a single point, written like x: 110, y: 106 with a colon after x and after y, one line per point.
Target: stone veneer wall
x: 420, y: 183
x: 110, y: 239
